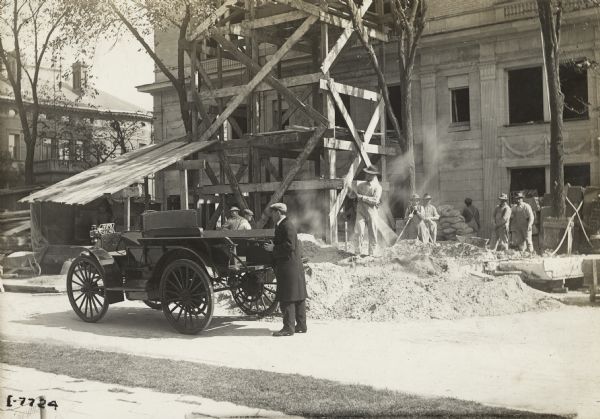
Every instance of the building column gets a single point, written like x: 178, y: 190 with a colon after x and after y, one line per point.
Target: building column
x: 431, y: 149
x: 489, y: 128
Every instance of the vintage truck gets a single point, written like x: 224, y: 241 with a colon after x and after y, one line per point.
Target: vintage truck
x: 175, y: 266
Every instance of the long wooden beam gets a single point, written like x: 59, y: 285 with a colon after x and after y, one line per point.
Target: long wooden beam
x: 272, y: 20
x: 297, y: 185
x: 289, y: 177
x: 287, y: 82
x: 275, y: 83
x: 344, y: 145
x: 330, y: 18
x: 352, y: 91
x: 342, y: 108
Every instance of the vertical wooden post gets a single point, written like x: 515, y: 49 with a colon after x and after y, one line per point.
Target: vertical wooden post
x: 183, y: 189
x: 594, y: 286
x: 193, y: 88
x: 127, y: 214
x: 146, y: 194
x: 329, y: 155
x: 278, y: 122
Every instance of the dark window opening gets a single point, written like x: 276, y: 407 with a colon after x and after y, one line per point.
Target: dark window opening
x: 460, y: 105
x: 577, y: 175
x: 396, y: 99
x: 525, y: 95
x: 573, y: 83
x: 529, y: 179
x: 339, y: 119
x: 173, y: 202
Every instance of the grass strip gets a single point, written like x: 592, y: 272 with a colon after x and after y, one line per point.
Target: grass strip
x: 292, y: 394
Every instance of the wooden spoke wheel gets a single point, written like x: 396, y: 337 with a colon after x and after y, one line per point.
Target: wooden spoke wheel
x: 186, y: 296
x: 255, y: 294
x: 153, y: 304
x: 85, y: 288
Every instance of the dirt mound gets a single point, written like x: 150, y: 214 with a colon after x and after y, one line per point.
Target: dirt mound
x: 318, y: 252
x: 393, y: 292
x: 412, y: 280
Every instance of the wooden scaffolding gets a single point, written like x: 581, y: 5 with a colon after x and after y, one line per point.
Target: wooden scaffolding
x: 259, y: 35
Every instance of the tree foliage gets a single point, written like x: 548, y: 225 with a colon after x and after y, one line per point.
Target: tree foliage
x: 30, y: 32
x: 142, y: 17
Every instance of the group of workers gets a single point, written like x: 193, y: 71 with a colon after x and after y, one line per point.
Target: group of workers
x: 517, y: 220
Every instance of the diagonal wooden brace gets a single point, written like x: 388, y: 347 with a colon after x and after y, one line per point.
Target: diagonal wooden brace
x: 259, y: 77
x: 290, y: 97
x: 289, y: 177
x: 355, y: 135
x: 353, y: 170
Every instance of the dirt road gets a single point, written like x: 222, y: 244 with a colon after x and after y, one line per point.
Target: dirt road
x: 546, y: 361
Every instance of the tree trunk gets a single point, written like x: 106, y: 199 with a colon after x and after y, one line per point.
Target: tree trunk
x: 29, y: 154
x: 550, y: 26
x: 409, y: 144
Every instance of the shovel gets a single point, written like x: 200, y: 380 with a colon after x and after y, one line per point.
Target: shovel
x: 403, y: 228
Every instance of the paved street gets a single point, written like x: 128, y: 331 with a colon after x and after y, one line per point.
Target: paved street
x: 527, y: 361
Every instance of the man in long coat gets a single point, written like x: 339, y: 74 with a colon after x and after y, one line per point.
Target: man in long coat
x: 287, y: 264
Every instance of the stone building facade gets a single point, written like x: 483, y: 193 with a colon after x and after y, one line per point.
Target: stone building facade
x: 480, y: 102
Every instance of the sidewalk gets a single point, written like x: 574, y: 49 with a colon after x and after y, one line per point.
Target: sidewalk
x: 91, y: 399
x: 37, y: 284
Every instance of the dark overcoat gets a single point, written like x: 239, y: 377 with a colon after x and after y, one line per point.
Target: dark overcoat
x: 287, y: 263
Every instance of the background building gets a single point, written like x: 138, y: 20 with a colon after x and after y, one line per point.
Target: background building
x: 480, y: 102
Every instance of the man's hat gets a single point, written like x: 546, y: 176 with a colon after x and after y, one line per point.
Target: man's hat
x: 503, y: 197
x: 280, y: 206
x: 248, y: 211
x: 427, y: 196
x: 371, y: 170
x: 233, y: 209
x: 415, y: 196
x: 520, y: 195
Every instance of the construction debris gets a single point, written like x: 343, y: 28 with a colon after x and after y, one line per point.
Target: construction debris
x: 412, y: 280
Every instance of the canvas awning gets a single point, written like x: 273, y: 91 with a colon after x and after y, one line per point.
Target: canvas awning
x: 116, y: 174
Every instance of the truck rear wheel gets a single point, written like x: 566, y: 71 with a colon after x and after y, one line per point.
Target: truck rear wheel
x: 186, y: 296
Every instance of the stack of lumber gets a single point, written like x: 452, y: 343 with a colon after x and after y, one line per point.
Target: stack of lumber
x: 15, y: 229
x: 451, y: 223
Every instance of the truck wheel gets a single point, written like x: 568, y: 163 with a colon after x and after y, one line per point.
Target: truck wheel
x: 186, y: 296
x: 85, y: 288
x: 255, y: 294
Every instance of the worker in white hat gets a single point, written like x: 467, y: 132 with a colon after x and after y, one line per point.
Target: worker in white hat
x: 501, y: 222
x: 235, y: 221
x: 368, y: 197
x: 289, y: 271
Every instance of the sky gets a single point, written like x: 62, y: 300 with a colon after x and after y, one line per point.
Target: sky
x: 118, y: 68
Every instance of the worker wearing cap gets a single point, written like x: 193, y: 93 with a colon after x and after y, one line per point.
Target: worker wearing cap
x: 521, y: 223
x: 430, y: 218
x: 235, y: 221
x: 501, y: 222
x: 415, y: 227
x: 248, y: 214
x: 368, y: 197
x: 289, y: 271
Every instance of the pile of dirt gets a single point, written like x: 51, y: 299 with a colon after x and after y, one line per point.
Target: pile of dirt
x: 412, y: 280
x: 318, y: 252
